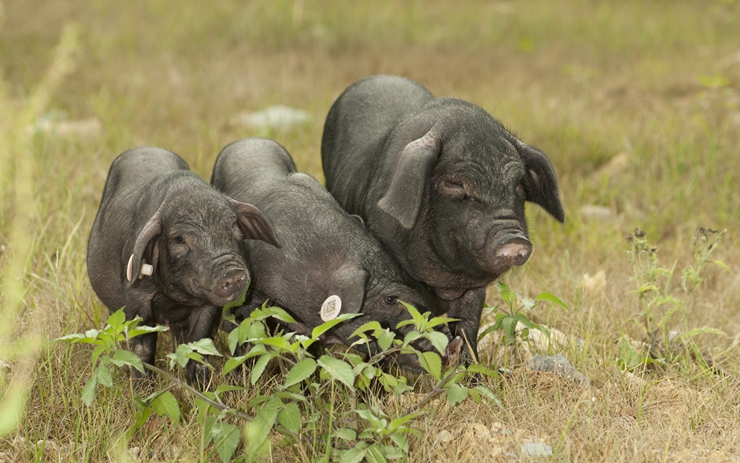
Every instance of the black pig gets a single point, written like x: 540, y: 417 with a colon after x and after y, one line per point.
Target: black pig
x: 165, y: 245
x: 324, y: 252
x: 441, y: 183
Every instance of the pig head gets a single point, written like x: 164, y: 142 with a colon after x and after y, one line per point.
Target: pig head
x: 441, y: 183
x: 165, y: 245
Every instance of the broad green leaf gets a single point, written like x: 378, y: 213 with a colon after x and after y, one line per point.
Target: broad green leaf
x: 400, y: 440
x: 144, y: 329
x: 258, y: 430
x: 205, y: 346
x: 439, y: 321
x: 411, y: 336
x: 259, y: 368
x: 369, y: 416
x: 103, y: 376
x: 300, y: 371
x: 117, y: 319
x: 506, y: 294
x: 290, y: 395
x: 233, y: 340
x: 401, y: 420
x: 237, y: 303
x: 166, y: 405
x: 181, y: 355
x: 508, y: 323
x: 88, y: 391
x: 551, y: 298
x: 226, y: 438
x: 96, y: 353
x: 290, y: 417
x: 431, y: 362
x: 392, y: 452
x: 232, y: 363
x: 280, y: 314
x: 419, y: 319
x: 275, y: 341
x: 123, y: 357
x: 326, y: 326
x: 488, y: 394
x: 346, y: 434
x: 355, y: 455
x: 385, y: 340
x: 456, y: 394
x: 438, y: 340
x: 338, y: 370
x: 369, y: 326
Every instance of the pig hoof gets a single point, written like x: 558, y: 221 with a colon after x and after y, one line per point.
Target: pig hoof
x: 197, y: 374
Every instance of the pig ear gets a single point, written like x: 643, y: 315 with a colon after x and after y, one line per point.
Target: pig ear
x: 349, y: 285
x: 403, y: 199
x: 253, y: 223
x: 540, y: 183
x: 145, y: 248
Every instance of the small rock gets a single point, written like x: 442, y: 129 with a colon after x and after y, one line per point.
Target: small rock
x: 443, y: 437
x: 274, y: 117
x: 594, y: 284
x: 594, y: 212
x: 560, y: 366
x: 536, y: 449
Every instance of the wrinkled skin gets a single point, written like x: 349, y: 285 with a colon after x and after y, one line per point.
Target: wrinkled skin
x: 155, y: 211
x: 325, y: 251
x: 441, y: 183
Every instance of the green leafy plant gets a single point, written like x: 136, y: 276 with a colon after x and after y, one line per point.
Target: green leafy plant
x: 662, y: 308
x: 311, y: 399
x: 514, y: 311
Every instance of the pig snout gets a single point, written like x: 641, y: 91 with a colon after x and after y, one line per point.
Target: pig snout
x: 231, y: 284
x: 511, y: 251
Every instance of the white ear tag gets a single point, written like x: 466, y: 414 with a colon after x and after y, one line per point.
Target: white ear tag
x: 130, y: 268
x: 331, y: 307
x: 146, y: 269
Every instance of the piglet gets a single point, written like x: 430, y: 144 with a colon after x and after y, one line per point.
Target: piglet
x: 328, y: 259
x: 165, y: 245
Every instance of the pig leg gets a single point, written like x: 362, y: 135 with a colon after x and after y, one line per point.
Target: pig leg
x: 198, y: 325
x: 138, y: 304
x: 144, y: 346
x: 468, y: 308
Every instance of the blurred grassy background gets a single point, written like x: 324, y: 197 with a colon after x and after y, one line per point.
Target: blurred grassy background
x: 637, y: 104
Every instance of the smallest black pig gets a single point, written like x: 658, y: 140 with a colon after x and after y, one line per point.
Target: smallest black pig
x: 165, y: 245
x: 326, y: 253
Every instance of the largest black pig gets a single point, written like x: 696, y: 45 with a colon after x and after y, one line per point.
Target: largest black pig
x: 441, y: 183
x: 324, y: 251
x: 165, y: 245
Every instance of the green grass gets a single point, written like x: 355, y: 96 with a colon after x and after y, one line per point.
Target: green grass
x: 584, y: 81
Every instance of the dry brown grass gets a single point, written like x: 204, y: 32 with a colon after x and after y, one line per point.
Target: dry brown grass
x: 584, y: 81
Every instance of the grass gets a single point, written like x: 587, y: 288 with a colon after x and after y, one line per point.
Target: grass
x: 656, y: 82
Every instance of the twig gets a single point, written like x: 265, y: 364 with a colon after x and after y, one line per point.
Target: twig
x: 438, y: 389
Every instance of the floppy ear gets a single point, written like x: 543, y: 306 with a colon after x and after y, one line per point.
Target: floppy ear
x: 349, y: 285
x: 253, y: 224
x: 403, y: 199
x: 145, y: 248
x: 540, y: 183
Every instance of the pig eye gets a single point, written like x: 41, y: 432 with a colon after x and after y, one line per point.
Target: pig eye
x: 454, y: 190
x: 391, y: 300
x: 179, y: 239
